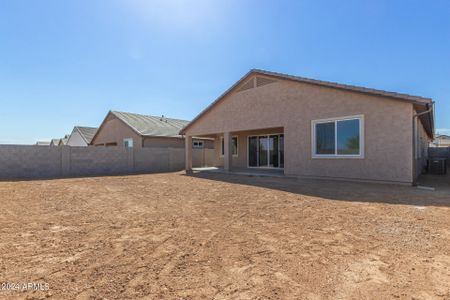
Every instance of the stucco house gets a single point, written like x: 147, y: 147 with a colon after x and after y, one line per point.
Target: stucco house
x: 142, y: 131
x: 310, y: 128
x: 54, y: 142
x: 81, y: 136
x: 42, y: 143
x: 64, y: 140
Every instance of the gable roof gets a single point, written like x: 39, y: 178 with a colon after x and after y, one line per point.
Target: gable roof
x: 146, y: 125
x: 392, y: 95
x: 54, y: 142
x: 63, y: 141
x: 87, y: 133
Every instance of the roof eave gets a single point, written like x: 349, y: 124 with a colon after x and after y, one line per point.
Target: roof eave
x: 395, y: 96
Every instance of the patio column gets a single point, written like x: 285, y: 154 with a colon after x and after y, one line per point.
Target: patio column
x: 188, y: 153
x: 227, y: 151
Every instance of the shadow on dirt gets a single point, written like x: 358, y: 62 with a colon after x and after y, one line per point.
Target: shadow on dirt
x: 342, y: 190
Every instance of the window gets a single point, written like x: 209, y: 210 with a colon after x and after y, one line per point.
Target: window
x: 341, y: 137
x: 197, y: 144
x: 128, y: 143
x: 234, y: 143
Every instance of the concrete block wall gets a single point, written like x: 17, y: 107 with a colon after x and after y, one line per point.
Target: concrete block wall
x: 28, y: 162
x: 439, y: 152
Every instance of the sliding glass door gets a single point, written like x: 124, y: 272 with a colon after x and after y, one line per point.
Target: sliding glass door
x: 252, y: 151
x: 273, y: 152
x: 263, y: 148
x: 266, y: 151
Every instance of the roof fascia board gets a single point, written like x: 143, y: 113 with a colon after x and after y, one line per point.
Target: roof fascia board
x: 379, y: 93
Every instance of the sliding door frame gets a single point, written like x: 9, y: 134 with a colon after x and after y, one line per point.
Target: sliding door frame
x: 268, y: 156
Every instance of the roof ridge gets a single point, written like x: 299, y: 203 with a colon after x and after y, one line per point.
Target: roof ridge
x: 353, y: 88
x: 339, y: 85
x: 77, y: 126
x: 152, y: 116
x: 148, y: 125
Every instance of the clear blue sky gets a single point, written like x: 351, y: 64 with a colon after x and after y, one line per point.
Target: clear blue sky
x: 66, y: 63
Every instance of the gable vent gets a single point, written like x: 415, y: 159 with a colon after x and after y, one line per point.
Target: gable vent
x: 260, y: 81
x: 248, y: 85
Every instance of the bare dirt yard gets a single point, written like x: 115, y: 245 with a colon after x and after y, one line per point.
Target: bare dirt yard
x: 172, y: 236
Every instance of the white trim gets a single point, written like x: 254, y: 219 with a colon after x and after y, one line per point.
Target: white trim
x: 257, y: 157
x: 338, y: 156
x: 237, y: 146
x: 130, y: 142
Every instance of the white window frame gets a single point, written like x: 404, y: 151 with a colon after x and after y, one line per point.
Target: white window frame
x: 335, y: 120
x: 130, y: 142
x: 237, y: 146
x: 200, y: 144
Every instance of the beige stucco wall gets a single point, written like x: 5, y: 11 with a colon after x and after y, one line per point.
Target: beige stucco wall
x: 172, y: 142
x: 163, y: 142
x: 115, y: 131
x: 293, y: 105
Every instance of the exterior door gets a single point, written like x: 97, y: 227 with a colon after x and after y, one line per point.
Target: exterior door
x: 263, y: 151
x: 273, y: 152
x: 266, y: 151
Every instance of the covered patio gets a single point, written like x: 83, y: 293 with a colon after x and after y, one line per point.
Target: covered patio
x: 259, y: 151
x: 239, y: 171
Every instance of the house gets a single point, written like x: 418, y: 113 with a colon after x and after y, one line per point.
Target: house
x: 310, y: 128
x: 54, y: 142
x: 142, y: 131
x: 81, y: 136
x: 441, y: 140
x: 42, y: 143
x: 63, y: 141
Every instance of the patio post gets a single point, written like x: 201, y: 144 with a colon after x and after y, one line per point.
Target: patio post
x: 227, y: 151
x: 188, y: 153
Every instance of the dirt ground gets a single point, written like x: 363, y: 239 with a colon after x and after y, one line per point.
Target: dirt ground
x: 172, y: 236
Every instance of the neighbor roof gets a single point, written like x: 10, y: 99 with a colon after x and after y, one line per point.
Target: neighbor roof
x: 397, y: 96
x: 146, y: 125
x: 55, y: 142
x: 63, y: 141
x: 87, y: 133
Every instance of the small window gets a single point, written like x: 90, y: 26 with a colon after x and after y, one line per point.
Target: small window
x: 234, y: 142
x: 128, y: 143
x: 197, y: 144
x: 338, y: 137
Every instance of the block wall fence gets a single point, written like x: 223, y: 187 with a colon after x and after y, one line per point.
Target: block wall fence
x: 30, y: 162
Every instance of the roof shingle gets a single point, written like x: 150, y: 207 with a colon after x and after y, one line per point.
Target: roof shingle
x: 151, y: 125
x: 87, y: 132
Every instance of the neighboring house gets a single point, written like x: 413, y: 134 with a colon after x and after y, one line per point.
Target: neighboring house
x: 63, y: 141
x: 81, y: 136
x: 136, y: 130
x: 42, y: 143
x: 54, y: 142
x: 441, y: 140
x: 311, y: 128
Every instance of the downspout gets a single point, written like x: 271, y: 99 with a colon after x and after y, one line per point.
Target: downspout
x: 414, y: 139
